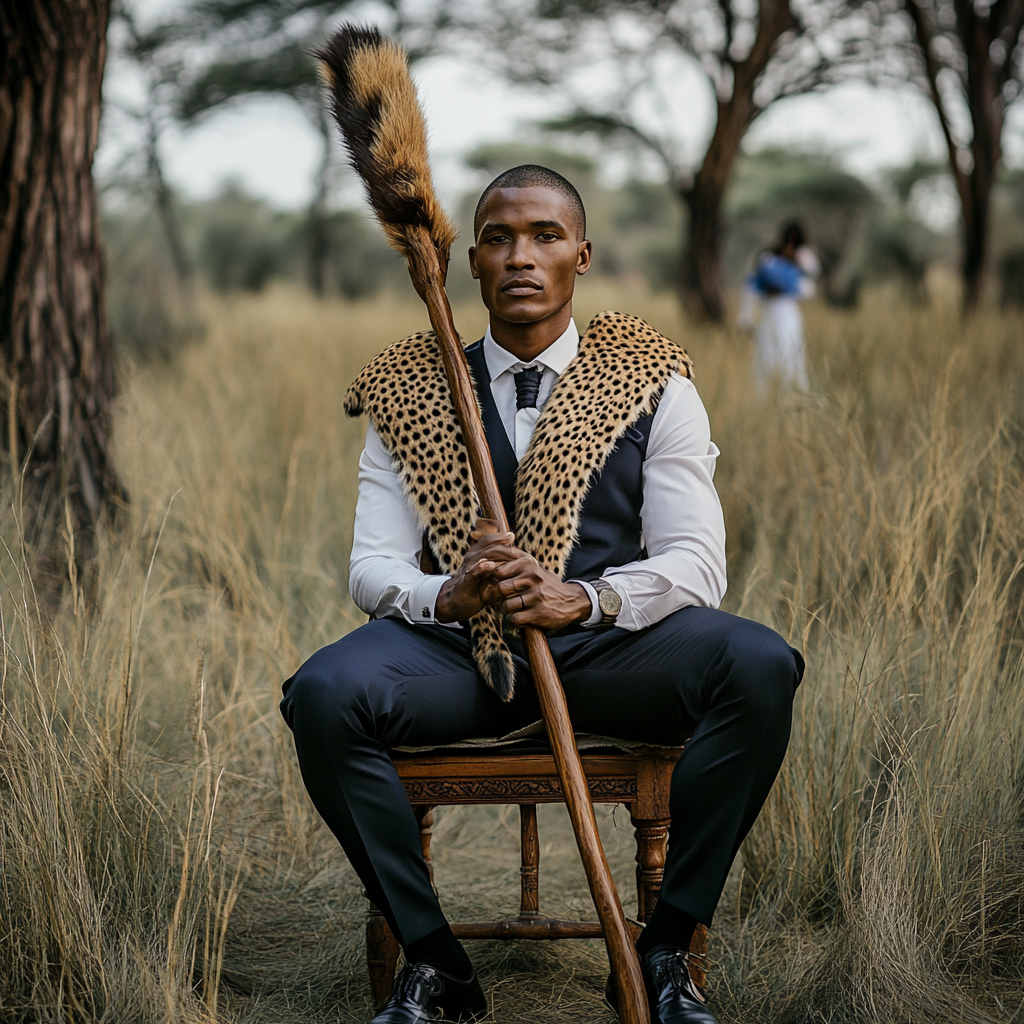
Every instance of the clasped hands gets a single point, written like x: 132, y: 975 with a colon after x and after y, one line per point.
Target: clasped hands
x: 495, y: 572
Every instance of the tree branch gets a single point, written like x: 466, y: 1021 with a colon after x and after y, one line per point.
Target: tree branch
x: 728, y: 26
x: 925, y: 38
x: 607, y: 126
x: 1007, y: 18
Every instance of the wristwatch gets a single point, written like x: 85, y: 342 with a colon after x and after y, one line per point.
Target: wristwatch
x: 608, y: 601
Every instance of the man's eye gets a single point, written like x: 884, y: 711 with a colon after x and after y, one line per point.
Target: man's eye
x: 498, y: 238
x: 548, y: 236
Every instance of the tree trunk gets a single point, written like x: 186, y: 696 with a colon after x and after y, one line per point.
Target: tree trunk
x: 976, y: 222
x: 319, y: 242
x: 58, y: 360
x: 986, y: 107
x: 981, y: 79
x: 166, y: 209
x: 702, y: 287
x: 703, y: 290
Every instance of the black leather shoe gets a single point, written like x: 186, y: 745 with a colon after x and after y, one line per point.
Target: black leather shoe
x: 421, y: 993
x: 672, y: 997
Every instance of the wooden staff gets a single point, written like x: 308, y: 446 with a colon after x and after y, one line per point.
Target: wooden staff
x: 382, y: 126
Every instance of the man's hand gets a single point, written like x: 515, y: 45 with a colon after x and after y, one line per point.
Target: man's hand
x: 474, y: 586
x: 532, y: 596
x: 495, y: 572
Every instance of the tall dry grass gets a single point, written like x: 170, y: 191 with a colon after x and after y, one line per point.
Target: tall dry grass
x: 160, y: 861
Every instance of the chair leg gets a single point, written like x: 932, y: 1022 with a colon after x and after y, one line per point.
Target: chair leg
x: 651, y: 847
x: 651, y: 841
x: 382, y: 951
x: 699, y: 947
x: 529, y: 846
x: 425, y: 818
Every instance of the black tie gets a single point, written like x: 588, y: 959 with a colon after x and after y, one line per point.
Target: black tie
x: 527, y: 387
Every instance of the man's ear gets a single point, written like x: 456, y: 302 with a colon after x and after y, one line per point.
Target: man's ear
x: 472, y: 263
x: 584, y: 256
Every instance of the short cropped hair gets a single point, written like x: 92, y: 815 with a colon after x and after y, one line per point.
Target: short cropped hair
x: 535, y: 176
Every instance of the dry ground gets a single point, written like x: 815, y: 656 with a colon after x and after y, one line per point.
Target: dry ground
x: 160, y: 861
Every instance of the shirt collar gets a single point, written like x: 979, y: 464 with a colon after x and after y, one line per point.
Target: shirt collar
x: 557, y: 356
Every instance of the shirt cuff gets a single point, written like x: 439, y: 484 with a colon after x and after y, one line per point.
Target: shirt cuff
x: 423, y: 599
x: 596, y: 614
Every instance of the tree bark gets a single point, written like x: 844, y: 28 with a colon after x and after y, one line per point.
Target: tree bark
x: 976, y: 222
x: 984, y: 102
x: 703, y: 289
x: 57, y: 355
x: 702, y: 286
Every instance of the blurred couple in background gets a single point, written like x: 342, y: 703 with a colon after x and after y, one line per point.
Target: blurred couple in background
x: 770, y: 304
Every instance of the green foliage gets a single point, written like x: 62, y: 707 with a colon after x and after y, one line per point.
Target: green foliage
x: 774, y: 185
x: 152, y: 314
x: 1011, y: 192
x: 903, y: 179
x: 359, y: 263
x: 288, y: 71
x: 1011, y: 278
x: 242, y: 243
x: 237, y: 243
x: 648, y: 223
x: 496, y: 157
x: 1008, y: 236
x: 795, y: 179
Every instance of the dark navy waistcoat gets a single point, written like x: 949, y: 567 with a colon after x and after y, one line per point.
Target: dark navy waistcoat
x: 609, y: 530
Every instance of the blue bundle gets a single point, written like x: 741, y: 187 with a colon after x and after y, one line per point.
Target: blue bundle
x: 775, y: 275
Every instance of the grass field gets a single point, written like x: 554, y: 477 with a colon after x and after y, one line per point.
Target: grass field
x: 160, y: 862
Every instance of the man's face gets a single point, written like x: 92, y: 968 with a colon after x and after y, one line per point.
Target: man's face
x: 527, y: 255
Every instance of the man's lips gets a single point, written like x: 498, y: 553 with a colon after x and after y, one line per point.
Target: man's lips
x: 522, y: 286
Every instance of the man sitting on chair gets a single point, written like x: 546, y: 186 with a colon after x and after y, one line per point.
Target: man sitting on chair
x: 602, y: 447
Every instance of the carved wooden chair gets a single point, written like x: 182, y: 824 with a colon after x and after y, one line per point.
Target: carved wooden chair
x: 640, y: 780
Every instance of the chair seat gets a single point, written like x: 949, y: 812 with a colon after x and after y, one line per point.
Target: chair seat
x: 531, y: 777
x: 533, y: 743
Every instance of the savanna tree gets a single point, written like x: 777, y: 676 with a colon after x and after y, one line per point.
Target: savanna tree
x: 626, y: 69
x: 967, y: 56
x: 245, y: 48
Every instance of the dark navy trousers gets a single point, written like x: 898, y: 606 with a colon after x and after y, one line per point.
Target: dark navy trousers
x: 728, y: 681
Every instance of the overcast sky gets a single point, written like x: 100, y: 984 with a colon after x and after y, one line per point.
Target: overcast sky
x: 270, y: 147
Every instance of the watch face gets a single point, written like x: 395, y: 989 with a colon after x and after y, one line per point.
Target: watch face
x: 609, y: 601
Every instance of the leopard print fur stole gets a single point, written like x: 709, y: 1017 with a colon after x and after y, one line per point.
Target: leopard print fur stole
x: 617, y: 376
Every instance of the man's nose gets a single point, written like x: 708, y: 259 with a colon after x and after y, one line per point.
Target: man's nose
x: 521, y: 255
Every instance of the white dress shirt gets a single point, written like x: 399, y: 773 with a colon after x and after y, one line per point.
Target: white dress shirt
x: 681, y: 516
x: 503, y: 366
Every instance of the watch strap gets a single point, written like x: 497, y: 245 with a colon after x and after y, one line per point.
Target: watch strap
x: 602, y: 586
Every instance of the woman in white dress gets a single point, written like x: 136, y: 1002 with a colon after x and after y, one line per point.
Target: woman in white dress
x: 784, y: 276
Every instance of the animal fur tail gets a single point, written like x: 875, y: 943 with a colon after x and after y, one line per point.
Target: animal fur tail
x: 374, y: 103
